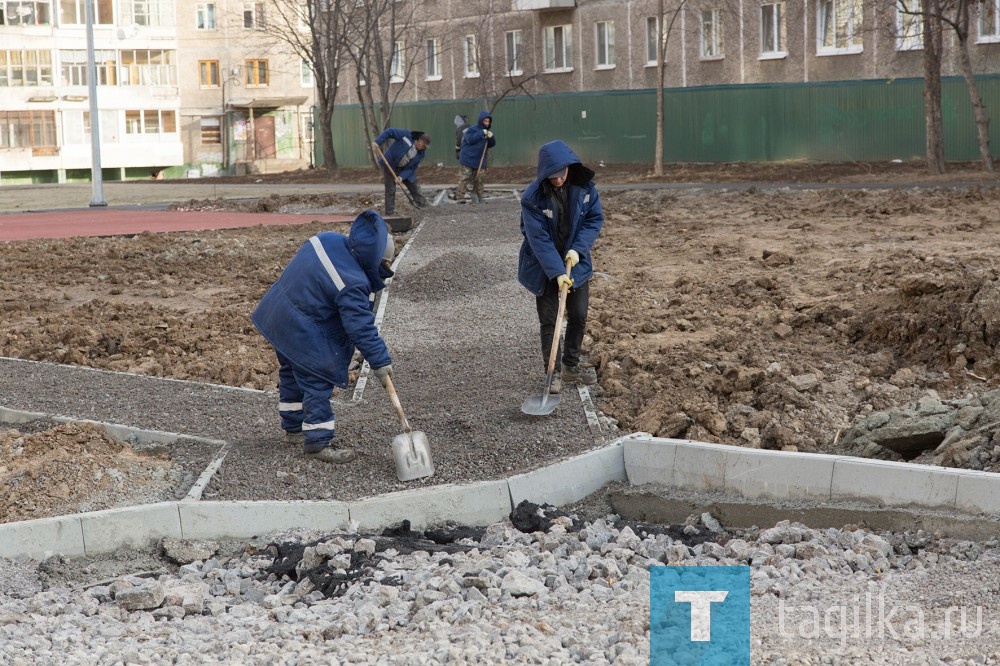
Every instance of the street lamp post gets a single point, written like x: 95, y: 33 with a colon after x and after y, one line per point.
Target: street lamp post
x: 96, y: 177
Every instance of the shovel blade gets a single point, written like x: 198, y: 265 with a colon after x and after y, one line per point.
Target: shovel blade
x: 412, y: 453
x: 540, y: 405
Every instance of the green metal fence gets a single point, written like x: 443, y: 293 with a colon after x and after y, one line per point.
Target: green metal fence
x: 836, y: 121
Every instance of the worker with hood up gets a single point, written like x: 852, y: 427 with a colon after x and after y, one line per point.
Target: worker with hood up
x: 317, y: 313
x: 473, y: 158
x: 561, y: 217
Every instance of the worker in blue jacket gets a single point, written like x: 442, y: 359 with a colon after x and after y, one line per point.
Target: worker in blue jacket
x: 561, y: 217
x: 403, y: 157
x: 315, y: 315
x: 472, y: 157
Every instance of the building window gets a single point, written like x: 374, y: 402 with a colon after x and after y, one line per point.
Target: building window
x: 838, y: 27
x: 711, y: 34
x: 25, y: 12
x: 253, y: 15
x: 432, y: 56
x: 211, y: 130
x: 256, y: 73
x: 147, y: 67
x: 605, y: 44
x: 150, y: 121
x: 205, y: 16
x: 652, y: 40
x: 147, y: 12
x: 306, y: 77
x: 208, y: 73
x: 397, y: 66
x: 772, y: 30
x: 512, y: 51
x: 989, y: 21
x: 909, y: 25
x: 558, y: 45
x: 73, y: 12
x: 27, y: 129
x: 25, y: 68
x: 73, y: 67
x: 470, y: 54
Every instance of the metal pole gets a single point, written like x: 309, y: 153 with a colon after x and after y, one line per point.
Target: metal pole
x: 96, y: 179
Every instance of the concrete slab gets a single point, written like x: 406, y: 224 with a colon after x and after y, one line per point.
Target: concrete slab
x: 210, y: 520
x: 570, y: 480
x: 649, y: 459
x: 978, y: 492
x: 42, y: 538
x: 894, y: 483
x: 135, y: 526
x: 474, y: 504
x: 779, y: 474
x: 700, y: 466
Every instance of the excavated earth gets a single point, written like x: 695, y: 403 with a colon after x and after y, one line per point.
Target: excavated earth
x: 758, y: 313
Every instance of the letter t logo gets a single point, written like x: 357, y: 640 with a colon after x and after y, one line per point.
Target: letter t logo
x: 701, y: 610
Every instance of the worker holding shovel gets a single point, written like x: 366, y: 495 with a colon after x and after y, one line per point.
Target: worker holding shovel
x: 314, y: 316
x: 399, y: 163
x: 472, y: 157
x: 561, y: 217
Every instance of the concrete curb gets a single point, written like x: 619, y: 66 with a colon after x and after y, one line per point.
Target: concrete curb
x: 755, y: 473
x: 638, y: 458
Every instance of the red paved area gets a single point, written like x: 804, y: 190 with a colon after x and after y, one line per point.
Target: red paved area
x: 108, y: 222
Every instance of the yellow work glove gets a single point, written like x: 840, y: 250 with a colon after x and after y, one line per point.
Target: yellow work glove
x: 488, y: 134
x: 564, y: 282
x: 572, y: 258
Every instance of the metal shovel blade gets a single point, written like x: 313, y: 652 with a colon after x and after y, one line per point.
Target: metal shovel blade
x: 540, y: 405
x: 412, y: 453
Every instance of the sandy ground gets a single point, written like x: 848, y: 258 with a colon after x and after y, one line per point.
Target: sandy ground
x: 763, y: 313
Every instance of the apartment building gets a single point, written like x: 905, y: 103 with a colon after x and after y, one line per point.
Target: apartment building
x: 479, y: 48
x: 183, y: 88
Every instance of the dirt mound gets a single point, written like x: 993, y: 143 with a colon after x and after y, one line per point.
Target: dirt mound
x: 78, y: 466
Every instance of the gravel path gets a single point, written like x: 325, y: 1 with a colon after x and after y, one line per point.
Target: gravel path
x: 463, y: 336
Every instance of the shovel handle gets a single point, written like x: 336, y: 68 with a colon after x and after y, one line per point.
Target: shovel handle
x: 391, y: 390
x: 563, y: 292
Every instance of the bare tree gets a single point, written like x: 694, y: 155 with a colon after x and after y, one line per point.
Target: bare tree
x: 960, y: 24
x: 666, y: 14
x: 313, y: 30
x: 933, y: 121
x: 377, y: 34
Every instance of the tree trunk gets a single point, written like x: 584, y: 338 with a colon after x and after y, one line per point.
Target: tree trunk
x: 934, y: 125
x: 982, y: 119
x: 326, y: 132
x: 660, y: 57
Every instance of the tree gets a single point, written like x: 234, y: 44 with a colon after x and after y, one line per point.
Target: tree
x: 314, y: 31
x: 376, y: 33
x: 663, y: 13
x: 933, y: 121
x: 960, y: 24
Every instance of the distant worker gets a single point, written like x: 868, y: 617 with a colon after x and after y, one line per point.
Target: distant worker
x: 561, y: 217
x: 473, y: 159
x: 314, y: 316
x: 403, y: 157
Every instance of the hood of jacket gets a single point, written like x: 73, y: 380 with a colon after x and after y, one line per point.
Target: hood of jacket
x: 367, y: 241
x: 483, y: 115
x: 555, y: 156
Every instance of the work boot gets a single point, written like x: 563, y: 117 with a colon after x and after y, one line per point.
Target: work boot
x: 294, y: 437
x: 577, y: 374
x: 556, y: 385
x: 332, y: 455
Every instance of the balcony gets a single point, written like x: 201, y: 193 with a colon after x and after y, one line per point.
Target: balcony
x: 543, y: 5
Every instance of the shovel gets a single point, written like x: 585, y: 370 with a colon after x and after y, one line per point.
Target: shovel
x: 410, y: 449
x: 399, y: 183
x: 542, y: 405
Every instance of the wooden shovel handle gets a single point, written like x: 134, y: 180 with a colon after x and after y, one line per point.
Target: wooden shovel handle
x: 391, y: 390
x: 563, y: 293
x: 396, y: 178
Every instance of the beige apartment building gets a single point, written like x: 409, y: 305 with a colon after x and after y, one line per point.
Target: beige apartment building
x: 199, y: 88
x: 183, y: 88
